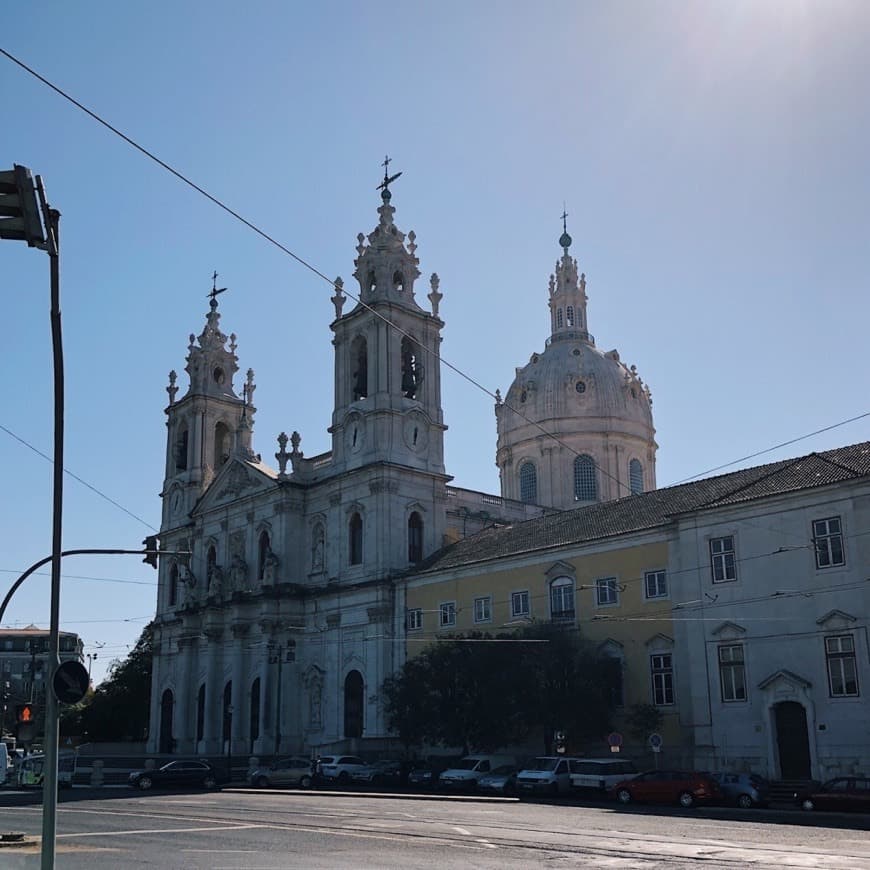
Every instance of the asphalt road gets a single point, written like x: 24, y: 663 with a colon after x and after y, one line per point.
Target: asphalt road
x: 245, y: 829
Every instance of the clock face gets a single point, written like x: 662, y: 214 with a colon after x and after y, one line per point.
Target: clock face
x: 355, y: 434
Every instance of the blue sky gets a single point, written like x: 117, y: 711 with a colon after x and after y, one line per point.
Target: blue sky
x: 712, y: 156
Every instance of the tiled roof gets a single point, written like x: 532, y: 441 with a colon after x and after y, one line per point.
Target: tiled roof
x: 650, y: 509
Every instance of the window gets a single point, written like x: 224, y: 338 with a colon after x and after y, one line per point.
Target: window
x: 732, y: 673
x: 606, y: 591
x: 528, y: 483
x: 635, y: 477
x: 355, y: 530
x: 412, y: 368
x: 173, y: 585
x: 585, y: 480
x: 655, y: 584
x: 562, y: 598
x: 210, y: 563
x: 181, y: 450
x: 722, y: 559
x: 447, y: 614
x: 360, y: 368
x: 559, y: 319
x: 842, y: 668
x: 662, y: 672
x: 828, y: 538
x: 483, y: 609
x: 612, y: 665
x: 415, y: 538
x: 520, y: 603
x: 569, y: 315
x: 415, y: 619
x: 222, y: 445
x: 263, y: 550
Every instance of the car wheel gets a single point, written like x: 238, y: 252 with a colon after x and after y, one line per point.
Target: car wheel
x: 687, y: 799
x: 807, y: 804
x: 305, y: 782
x: 744, y: 801
x: 261, y: 782
x: 624, y: 796
x: 145, y: 783
x: 209, y: 782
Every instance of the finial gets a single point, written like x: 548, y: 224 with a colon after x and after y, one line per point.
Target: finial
x: 565, y: 239
x: 498, y: 397
x: 384, y: 186
x: 295, y: 441
x: 435, y: 296
x: 172, y: 389
x: 338, y: 299
x: 250, y: 386
x: 214, y: 291
x: 282, y: 455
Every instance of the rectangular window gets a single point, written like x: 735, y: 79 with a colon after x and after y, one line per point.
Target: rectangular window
x: 607, y: 591
x: 562, y: 599
x: 828, y: 538
x: 415, y: 619
x: 447, y: 614
x: 732, y: 673
x: 520, y: 603
x: 722, y: 559
x: 655, y: 584
x: 483, y: 609
x: 662, y: 671
x: 842, y: 666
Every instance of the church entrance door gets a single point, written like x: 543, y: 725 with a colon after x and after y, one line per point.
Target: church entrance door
x: 167, y: 743
x: 353, y: 705
x: 792, y: 740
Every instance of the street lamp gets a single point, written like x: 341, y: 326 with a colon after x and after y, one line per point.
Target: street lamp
x: 23, y: 212
x: 92, y: 657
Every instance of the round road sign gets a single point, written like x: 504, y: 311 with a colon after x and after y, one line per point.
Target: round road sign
x: 655, y: 741
x: 614, y: 739
x: 70, y: 682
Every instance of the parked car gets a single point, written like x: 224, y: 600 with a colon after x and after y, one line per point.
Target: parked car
x: 285, y: 771
x: 744, y: 789
x: 600, y: 774
x: 669, y: 786
x: 30, y: 771
x: 470, y: 769
x: 340, y: 768
x: 379, y: 773
x: 842, y: 793
x: 501, y: 780
x: 178, y: 774
x: 548, y: 774
x: 425, y: 774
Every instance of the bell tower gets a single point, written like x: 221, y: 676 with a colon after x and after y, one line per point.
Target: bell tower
x: 209, y: 422
x: 387, y: 356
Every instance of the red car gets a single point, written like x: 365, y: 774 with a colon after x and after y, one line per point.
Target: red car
x: 843, y: 793
x: 668, y: 787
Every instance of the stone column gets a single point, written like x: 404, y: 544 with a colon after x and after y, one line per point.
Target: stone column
x: 214, y: 689
x: 237, y: 651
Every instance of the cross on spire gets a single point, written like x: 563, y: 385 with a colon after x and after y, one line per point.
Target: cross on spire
x: 564, y: 218
x: 388, y: 179
x: 214, y: 290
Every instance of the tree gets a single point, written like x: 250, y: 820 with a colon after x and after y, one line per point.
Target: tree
x: 643, y: 720
x: 119, y: 709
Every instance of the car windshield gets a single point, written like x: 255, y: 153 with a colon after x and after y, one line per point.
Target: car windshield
x: 543, y: 764
x: 468, y: 764
x: 504, y: 770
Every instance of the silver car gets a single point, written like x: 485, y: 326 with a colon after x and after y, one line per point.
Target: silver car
x: 285, y: 771
x: 744, y: 789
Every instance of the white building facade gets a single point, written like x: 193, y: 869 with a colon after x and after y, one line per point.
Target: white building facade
x: 771, y: 614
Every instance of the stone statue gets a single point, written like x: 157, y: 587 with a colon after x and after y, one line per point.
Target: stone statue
x: 238, y: 574
x: 270, y: 567
x: 217, y: 581
x: 317, y: 550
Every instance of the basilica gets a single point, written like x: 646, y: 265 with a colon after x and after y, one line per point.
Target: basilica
x: 275, y: 635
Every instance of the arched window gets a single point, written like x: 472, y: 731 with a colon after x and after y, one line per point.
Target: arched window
x: 181, y: 450
x: 173, y: 585
x: 167, y: 705
x: 412, y: 368
x: 359, y: 368
x: 415, y: 538
x: 210, y: 563
x: 371, y: 281
x: 222, y: 445
x: 562, y: 598
x: 635, y: 476
x: 398, y: 281
x: 569, y: 315
x: 613, y: 665
x: 585, y: 479
x: 200, y: 712
x: 228, y: 714
x: 255, y: 712
x: 353, y: 704
x: 528, y: 483
x: 559, y: 320
x: 355, y: 534
x: 263, y: 548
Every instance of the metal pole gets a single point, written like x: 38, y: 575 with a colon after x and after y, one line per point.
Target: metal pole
x: 49, y: 789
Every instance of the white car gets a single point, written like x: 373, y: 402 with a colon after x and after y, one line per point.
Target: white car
x: 341, y: 768
x: 548, y: 774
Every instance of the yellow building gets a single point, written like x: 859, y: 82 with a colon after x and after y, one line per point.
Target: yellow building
x: 602, y: 569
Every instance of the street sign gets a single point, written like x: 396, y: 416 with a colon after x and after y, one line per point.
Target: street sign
x: 655, y: 742
x: 614, y: 739
x: 70, y: 682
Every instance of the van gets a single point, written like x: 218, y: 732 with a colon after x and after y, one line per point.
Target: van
x: 547, y: 774
x: 600, y: 773
x: 31, y: 770
x: 471, y: 768
x: 4, y: 762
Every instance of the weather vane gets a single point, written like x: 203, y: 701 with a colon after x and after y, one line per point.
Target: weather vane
x: 564, y: 218
x: 214, y: 288
x: 388, y: 179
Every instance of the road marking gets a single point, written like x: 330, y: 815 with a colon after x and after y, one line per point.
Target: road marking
x: 160, y: 831
x: 462, y: 831
x: 487, y: 844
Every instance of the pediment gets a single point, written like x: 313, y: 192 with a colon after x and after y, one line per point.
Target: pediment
x: 728, y: 630
x: 560, y: 569
x: 660, y: 641
x: 836, y: 619
x: 237, y: 478
x: 611, y: 648
x: 783, y: 679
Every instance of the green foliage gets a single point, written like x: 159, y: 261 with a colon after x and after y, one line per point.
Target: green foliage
x: 482, y: 691
x: 119, y: 708
x: 643, y: 720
